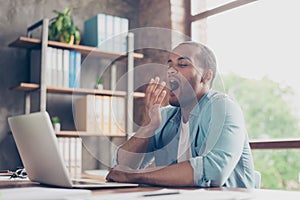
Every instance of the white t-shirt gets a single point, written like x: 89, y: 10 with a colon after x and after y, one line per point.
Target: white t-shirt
x: 184, y: 145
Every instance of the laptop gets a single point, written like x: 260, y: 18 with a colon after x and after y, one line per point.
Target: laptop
x: 38, y: 147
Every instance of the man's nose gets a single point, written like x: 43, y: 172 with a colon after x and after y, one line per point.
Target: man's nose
x: 171, y: 70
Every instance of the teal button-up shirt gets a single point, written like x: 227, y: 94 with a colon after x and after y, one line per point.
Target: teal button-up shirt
x: 221, y: 154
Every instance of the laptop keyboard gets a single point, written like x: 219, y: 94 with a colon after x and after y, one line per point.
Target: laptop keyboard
x: 87, y: 182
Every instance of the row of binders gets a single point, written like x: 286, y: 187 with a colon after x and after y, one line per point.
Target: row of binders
x: 71, y: 150
x: 103, y: 115
x: 63, y: 67
x: 106, y: 32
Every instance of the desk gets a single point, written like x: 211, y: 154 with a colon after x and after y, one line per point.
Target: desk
x: 257, y: 194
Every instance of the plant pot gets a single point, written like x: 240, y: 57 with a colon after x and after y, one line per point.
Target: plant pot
x: 99, y: 86
x: 56, y: 127
x: 61, y: 39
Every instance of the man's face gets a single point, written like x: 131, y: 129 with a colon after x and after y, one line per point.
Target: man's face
x: 184, y: 75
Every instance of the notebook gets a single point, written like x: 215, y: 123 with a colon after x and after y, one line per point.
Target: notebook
x: 38, y: 147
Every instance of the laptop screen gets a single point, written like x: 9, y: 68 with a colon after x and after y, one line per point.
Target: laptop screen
x: 38, y: 148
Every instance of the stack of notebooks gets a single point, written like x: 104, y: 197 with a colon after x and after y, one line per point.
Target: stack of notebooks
x: 63, y: 67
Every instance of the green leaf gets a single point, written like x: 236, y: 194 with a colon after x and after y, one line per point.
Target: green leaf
x: 57, y: 12
x: 77, y: 36
x: 66, y: 22
x: 67, y: 11
x: 72, y: 29
x: 55, y: 120
x: 99, y: 81
x: 59, y: 24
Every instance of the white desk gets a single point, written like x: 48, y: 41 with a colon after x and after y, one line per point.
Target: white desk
x: 257, y: 194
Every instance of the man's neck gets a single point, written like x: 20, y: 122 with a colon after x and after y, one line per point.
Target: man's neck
x: 187, y: 109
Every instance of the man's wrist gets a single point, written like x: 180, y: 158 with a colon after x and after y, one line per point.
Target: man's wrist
x: 136, y: 177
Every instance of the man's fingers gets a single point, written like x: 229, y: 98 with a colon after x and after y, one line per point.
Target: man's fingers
x: 154, y: 90
x: 153, y: 84
x: 161, y: 97
x: 152, y: 87
x: 108, y: 176
x: 149, y: 89
x: 157, y: 93
x: 111, y: 175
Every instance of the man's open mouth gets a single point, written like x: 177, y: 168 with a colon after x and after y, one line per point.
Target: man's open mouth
x: 174, y: 85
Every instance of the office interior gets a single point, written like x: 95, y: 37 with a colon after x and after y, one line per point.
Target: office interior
x: 17, y: 16
x: 175, y: 15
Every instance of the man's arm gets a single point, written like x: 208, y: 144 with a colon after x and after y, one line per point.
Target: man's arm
x: 223, y: 147
x: 181, y: 175
x: 131, y: 153
x: 214, y: 166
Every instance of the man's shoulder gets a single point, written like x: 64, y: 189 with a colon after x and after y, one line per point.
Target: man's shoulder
x: 215, y: 99
x: 214, y: 95
x: 223, y: 101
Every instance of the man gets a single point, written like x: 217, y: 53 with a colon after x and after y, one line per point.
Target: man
x: 200, y: 140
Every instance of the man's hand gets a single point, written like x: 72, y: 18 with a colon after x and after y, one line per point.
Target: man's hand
x: 180, y: 174
x: 132, y: 152
x: 120, y: 174
x: 155, y: 94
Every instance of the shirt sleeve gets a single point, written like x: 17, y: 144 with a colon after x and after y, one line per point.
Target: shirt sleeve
x: 224, y: 143
x: 146, y: 160
x: 115, y: 158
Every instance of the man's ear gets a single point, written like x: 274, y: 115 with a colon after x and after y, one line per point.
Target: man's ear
x: 207, y: 76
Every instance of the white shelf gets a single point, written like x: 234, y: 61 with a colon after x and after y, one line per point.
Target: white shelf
x: 69, y: 133
x: 27, y: 87
x: 34, y: 43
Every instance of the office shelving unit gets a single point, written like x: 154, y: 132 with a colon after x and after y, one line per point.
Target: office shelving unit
x: 33, y: 43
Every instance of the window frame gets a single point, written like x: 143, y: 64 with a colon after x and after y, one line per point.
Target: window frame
x: 293, y: 143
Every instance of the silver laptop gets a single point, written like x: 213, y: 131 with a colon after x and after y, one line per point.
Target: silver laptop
x: 38, y: 147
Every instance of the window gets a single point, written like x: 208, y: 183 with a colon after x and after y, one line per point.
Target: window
x: 257, y: 47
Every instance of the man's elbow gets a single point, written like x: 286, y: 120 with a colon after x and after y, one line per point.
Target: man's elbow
x: 216, y: 179
x: 219, y: 181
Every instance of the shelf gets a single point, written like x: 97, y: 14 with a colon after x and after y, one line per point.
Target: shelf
x: 34, y: 43
x: 83, y: 133
x: 42, y: 88
x: 276, y: 144
x: 28, y: 87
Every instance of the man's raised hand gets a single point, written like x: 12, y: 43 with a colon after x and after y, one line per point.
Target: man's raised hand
x: 155, y: 94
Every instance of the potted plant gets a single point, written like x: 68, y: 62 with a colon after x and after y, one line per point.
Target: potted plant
x: 99, y: 85
x: 56, y: 123
x: 62, y: 28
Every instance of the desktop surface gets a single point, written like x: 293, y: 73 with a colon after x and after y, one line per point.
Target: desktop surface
x: 257, y: 194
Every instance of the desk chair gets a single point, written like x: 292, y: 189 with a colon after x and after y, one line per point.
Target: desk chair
x: 257, y: 179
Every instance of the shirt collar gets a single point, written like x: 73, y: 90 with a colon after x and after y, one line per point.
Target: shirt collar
x: 197, y: 108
